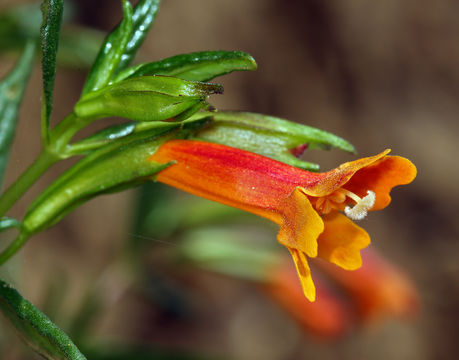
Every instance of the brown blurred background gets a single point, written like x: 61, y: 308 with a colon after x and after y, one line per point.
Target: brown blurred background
x: 381, y: 74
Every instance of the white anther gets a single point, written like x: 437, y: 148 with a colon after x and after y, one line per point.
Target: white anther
x: 360, y: 209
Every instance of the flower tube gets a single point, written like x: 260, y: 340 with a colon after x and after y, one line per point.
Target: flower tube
x: 307, y: 206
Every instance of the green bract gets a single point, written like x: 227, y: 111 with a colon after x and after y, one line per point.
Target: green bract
x: 142, y: 18
x: 269, y: 136
x: 146, y: 98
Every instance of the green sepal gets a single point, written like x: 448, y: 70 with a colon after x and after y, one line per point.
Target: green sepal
x: 120, y: 164
x: 49, y: 32
x: 12, y: 90
x: 197, y: 66
x: 35, y: 328
x: 146, y: 98
x: 142, y: 18
x: 269, y: 136
x: 110, y: 53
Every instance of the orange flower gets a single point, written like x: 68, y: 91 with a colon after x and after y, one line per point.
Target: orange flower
x: 377, y: 289
x: 307, y: 206
x: 328, y: 317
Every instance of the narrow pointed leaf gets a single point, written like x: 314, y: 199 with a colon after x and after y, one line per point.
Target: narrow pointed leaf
x: 143, y: 17
x: 52, y: 18
x: 11, y: 92
x: 35, y: 328
x: 197, y: 66
x: 110, y: 53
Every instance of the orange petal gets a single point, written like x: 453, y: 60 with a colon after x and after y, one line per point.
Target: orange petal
x: 380, y: 177
x: 304, y: 273
x: 336, y: 178
x: 301, y: 224
x: 341, y: 242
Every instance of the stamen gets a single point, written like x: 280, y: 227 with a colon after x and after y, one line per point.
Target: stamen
x: 360, y: 209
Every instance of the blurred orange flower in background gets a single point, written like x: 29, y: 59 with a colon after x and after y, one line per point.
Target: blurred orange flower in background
x: 327, y: 317
x: 376, y: 291
x: 307, y: 206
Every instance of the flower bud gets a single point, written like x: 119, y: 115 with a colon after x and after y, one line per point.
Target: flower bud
x: 146, y: 98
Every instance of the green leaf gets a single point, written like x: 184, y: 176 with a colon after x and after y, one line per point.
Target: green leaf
x: 112, y: 172
x: 197, y: 66
x: 146, y: 98
x: 50, y: 29
x: 119, y: 165
x: 269, y: 136
x: 110, y: 53
x: 11, y: 92
x: 143, y: 17
x: 35, y: 328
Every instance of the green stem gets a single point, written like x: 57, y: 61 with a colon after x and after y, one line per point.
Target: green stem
x: 64, y: 131
x: 59, y: 138
x: 7, y: 223
x: 26, y: 180
x: 14, y: 247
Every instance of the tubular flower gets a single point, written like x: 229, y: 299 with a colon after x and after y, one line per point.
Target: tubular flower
x: 307, y: 206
